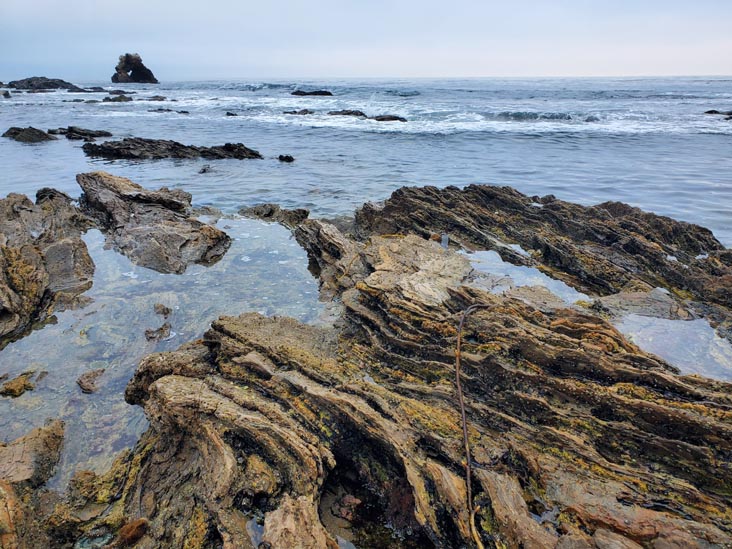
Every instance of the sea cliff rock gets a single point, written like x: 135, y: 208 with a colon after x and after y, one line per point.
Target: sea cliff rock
x: 43, y: 83
x: 137, y: 148
x: 131, y: 69
x: 28, y: 135
x: 44, y: 264
x: 272, y: 432
x: 153, y: 228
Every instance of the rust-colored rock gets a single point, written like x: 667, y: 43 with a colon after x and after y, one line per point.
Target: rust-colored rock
x: 18, y: 385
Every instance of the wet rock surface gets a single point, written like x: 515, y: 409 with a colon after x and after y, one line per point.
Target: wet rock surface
x: 577, y: 437
x: 44, y: 264
x: 117, y: 99
x: 76, y: 133
x: 301, y: 112
x: 28, y: 135
x: 273, y: 212
x: 43, y: 83
x: 348, y: 112
x: 602, y: 250
x: 153, y: 228
x: 17, y: 386
x: 87, y: 382
x: 137, y: 148
x: 130, y: 68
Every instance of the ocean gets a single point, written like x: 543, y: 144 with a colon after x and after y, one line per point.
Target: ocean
x: 644, y: 141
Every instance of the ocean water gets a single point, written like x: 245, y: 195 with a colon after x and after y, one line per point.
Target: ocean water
x: 643, y: 141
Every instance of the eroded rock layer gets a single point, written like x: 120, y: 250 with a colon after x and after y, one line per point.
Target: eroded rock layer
x: 155, y: 229
x: 44, y: 263
x: 270, y: 431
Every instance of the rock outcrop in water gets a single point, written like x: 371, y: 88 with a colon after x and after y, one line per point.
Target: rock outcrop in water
x: 28, y: 135
x: 43, y: 83
x: 131, y: 69
x: 76, y: 133
x: 137, y: 148
x: 271, y: 433
x: 302, y: 93
x: 44, y: 264
x: 153, y: 228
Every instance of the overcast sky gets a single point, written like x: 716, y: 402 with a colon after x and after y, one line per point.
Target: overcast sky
x: 202, y: 39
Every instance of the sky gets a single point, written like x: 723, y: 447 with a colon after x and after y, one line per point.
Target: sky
x: 205, y: 39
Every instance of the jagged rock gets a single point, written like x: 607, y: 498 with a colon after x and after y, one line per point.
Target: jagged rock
x: 78, y: 134
x: 601, y: 249
x: 17, y: 386
x: 272, y: 212
x: 300, y: 112
x: 286, y: 158
x: 153, y: 228
x: 43, y: 83
x: 137, y: 148
x: 347, y: 112
x: 577, y: 437
x: 388, y: 118
x: 131, y: 69
x: 117, y: 99
x: 159, y: 333
x: 315, y: 92
x: 28, y: 135
x: 87, y: 381
x: 161, y: 309
x: 44, y: 264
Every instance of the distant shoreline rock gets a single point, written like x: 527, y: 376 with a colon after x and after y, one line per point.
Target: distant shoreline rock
x: 302, y: 93
x: 43, y: 83
x: 137, y: 148
x: 131, y: 69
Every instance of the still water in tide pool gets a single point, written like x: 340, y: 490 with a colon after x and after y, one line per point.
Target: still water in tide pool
x: 642, y: 141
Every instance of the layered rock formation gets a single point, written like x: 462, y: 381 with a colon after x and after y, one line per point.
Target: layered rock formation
x: 131, y: 69
x: 44, y: 264
x: 271, y: 433
x: 137, y: 148
x: 153, y: 228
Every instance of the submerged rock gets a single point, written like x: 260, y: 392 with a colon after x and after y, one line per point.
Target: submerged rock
x: 44, y: 264
x: 43, y: 83
x: 28, y: 135
x: 131, y: 69
x: 6, y: 94
x: 87, y: 381
x: 153, y: 228
x: 286, y: 158
x: 137, y: 148
x: 17, y: 386
x: 314, y: 92
x: 301, y: 112
x: 117, y: 99
x: 388, y: 118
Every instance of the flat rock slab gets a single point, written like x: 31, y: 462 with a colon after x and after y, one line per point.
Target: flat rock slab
x: 153, y: 228
x: 28, y: 135
x: 31, y: 459
x: 43, y: 83
x: 137, y: 148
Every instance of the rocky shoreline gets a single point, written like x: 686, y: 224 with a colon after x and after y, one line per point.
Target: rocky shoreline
x: 268, y: 432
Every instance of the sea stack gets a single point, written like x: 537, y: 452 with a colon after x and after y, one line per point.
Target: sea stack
x: 131, y: 69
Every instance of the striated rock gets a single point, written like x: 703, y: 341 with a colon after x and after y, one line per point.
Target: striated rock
x: 87, y: 381
x: 601, y: 249
x: 17, y: 386
x: 272, y: 212
x: 131, y: 69
x: 300, y: 112
x: 28, y: 135
x: 153, y: 228
x: 137, y: 148
x: 577, y: 437
x: 388, y: 118
x: 314, y: 92
x: 347, y: 112
x: 78, y: 134
x: 44, y: 263
x: 43, y: 83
